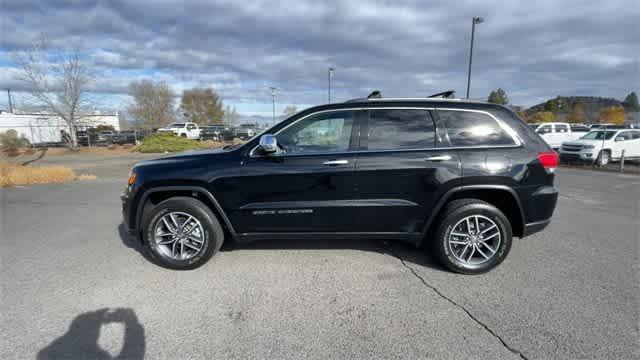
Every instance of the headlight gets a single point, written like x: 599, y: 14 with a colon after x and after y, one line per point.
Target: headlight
x: 587, y: 146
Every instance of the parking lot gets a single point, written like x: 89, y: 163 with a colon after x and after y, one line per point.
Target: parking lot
x: 75, y: 284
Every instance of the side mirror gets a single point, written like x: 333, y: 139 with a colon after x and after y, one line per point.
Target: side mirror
x: 268, y: 144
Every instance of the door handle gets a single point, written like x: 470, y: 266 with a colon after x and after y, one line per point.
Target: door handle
x: 335, y: 162
x: 438, y: 158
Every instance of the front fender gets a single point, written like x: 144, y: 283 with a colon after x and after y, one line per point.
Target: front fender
x: 177, y: 190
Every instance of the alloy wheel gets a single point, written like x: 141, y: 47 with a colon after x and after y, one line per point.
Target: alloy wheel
x: 474, y: 240
x: 179, y: 235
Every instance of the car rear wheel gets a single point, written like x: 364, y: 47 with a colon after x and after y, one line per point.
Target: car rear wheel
x: 181, y: 233
x: 473, y: 237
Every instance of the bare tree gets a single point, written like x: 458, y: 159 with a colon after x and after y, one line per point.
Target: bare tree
x: 153, y: 103
x: 57, y: 82
x: 289, y: 110
x: 231, y: 116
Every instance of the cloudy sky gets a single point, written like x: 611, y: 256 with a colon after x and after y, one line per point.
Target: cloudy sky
x: 532, y: 49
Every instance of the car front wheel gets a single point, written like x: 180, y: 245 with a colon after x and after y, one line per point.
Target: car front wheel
x: 603, y: 158
x: 473, y: 237
x: 181, y: 233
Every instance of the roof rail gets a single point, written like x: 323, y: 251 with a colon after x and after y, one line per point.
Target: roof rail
x: 375, y: 94
x: 445, y: 94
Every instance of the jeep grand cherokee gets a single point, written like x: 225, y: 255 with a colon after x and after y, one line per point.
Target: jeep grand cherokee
x: 462, y: 177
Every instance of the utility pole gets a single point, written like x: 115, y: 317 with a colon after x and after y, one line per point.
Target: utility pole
x: 10, y: 103
x: 330, y: 76
x: 476, y: 20
x: 273, y: 101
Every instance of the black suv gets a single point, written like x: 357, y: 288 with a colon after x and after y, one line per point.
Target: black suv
x: 462, y: 177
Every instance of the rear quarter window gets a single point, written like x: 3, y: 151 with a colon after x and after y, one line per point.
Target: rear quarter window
x: 470, y: 128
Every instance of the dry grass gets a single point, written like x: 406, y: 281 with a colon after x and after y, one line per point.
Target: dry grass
x: 104, y: 150
x: 14, y: 174
x: 86, y: 177
x: 100, y: 150
x: 213, y: 144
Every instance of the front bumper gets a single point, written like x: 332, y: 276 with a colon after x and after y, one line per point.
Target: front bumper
x: 124, y: 199
x: 585, y: 155
x: 127, y: 198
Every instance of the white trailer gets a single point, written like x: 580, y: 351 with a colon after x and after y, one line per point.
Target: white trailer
x: 40, y: 128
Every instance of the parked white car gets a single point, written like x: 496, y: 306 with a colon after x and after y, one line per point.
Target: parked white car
x: 188, y: 130
x: 556, y: 133
x: 603, y: 146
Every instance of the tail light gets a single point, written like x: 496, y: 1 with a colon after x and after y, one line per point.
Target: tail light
x: 548, y: 160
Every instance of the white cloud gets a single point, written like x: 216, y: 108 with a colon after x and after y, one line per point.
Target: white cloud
x: 404, y: 48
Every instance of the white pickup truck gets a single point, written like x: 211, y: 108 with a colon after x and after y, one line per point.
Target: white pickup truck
x: 188, y: 130
x: 555, y: 133
x: 603, y: 146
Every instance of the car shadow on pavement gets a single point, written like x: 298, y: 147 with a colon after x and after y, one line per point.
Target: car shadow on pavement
x: 404, y: 252
x: 81, y: 339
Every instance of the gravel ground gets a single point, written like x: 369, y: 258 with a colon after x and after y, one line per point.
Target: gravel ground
x: 73, y: 284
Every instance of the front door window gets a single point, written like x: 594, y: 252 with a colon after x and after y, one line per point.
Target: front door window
x: 321, y: 133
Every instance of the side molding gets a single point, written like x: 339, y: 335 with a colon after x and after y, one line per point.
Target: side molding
x: 198, y: 189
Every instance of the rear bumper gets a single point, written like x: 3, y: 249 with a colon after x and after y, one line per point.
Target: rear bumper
x: 539, y: 209
x: 534, y: 227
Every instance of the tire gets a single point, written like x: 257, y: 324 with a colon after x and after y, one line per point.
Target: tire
x: 187, y: 253
x: 604, y: 157
x: 183, y: 135
x: 485, y: 249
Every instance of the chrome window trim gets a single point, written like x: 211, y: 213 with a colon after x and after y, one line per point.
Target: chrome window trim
x: 251, y: 153
x: 514, y: 136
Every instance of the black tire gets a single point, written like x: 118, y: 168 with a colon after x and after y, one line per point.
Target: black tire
x: 183, y: 135
x: 457, y: 211
x: 213, y: 234
x: 604, y: 158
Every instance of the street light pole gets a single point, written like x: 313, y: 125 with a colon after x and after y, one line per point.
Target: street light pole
x: 273, y: 101
x: 330, y: 75
x: 476, y: 20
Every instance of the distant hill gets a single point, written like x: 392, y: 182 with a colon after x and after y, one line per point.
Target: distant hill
x: 592, y: 106
x: 260, y: 120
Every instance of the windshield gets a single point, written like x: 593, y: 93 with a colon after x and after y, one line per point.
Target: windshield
x: 533, y: 126
x: 599, y: 135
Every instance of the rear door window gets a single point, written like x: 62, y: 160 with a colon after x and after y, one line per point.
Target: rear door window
x: 400, y: 129
x: 470, y: 128
x: 561, y: 128
x: 624, y: 135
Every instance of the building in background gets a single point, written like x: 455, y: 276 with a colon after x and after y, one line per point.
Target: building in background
x: 44, y: 128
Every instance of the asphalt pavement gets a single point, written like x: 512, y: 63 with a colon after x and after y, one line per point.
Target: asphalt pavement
x: 73, y: 284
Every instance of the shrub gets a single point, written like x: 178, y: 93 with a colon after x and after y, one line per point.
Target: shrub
x: 159, y: 143
x: 10, y: 142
